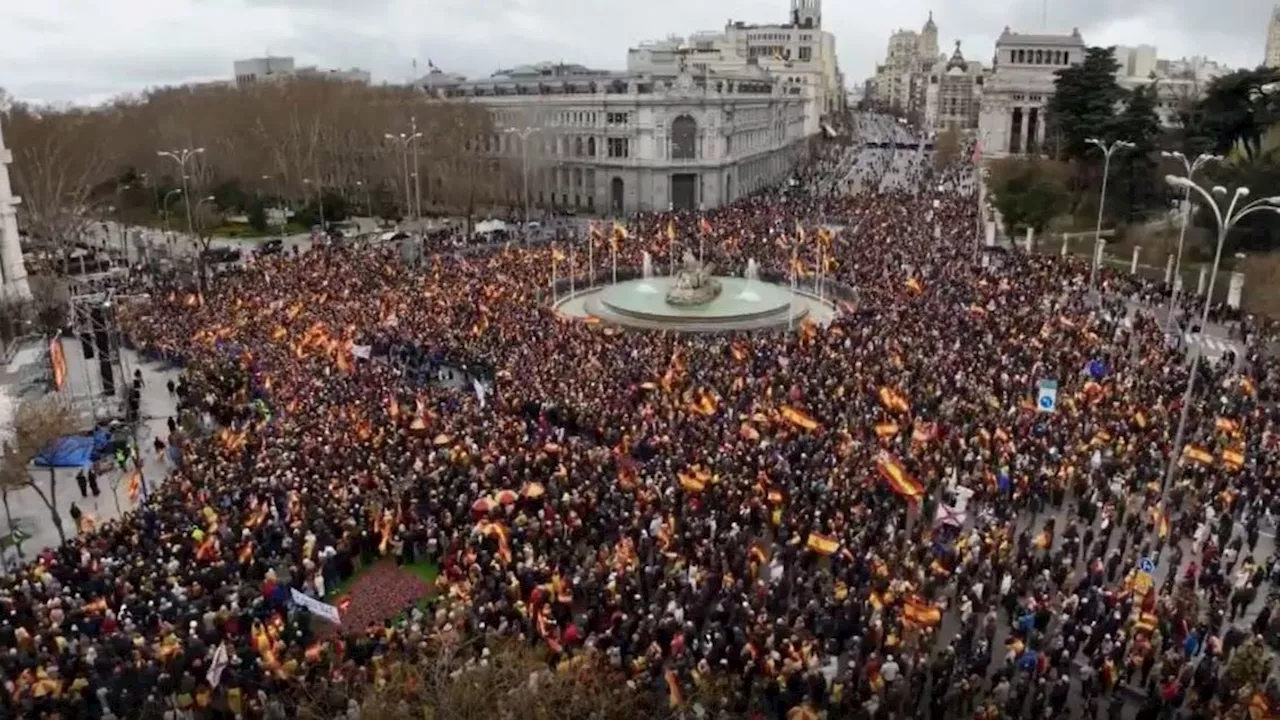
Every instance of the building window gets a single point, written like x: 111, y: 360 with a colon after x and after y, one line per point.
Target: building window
x: 684, y: 138
x: 1039, y: 57
x: 591, y: 147
x: 618, y: 148
x: 806, y: 53
x: 577, y: 147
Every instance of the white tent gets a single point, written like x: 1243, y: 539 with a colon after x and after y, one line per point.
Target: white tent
x: 490, y: 226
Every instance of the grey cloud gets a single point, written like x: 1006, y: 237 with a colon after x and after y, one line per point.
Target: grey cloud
x: 57, y: 50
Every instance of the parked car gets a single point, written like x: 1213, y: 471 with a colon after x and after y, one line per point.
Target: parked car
x: 274, y: 246
x: 219, y: 255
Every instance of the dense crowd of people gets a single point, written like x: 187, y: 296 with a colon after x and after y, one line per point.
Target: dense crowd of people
x: 865, y: 519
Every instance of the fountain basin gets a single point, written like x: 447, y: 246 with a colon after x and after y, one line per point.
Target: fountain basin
x: 741, y: 305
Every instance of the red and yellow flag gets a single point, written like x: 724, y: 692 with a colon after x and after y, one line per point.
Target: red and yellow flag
x: 919, y: 612
x: 822, y: 544
x: 799, y: 418
x: 895, y: 474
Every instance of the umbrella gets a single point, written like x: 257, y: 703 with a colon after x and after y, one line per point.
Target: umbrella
x: 484, y: 505
x: 507, y: 497
x: 533, y: 491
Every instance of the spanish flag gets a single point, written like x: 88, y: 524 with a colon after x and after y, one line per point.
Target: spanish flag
x: 619, y: 234
x: 886, y: 430
x: 799, y: 418
x: 705, y: 404
x: 1226, y: 425
x: 1191, y: 452
x: 1146, y: 622
x: 691, y: 483
x: 671, y: 231
x: 893, y: 472
x: 915, y: 286
x: 894, y: 400
x: 822, y: 544
x: 919, y: 612
x: 1233, y: 458
x: 134, y: 485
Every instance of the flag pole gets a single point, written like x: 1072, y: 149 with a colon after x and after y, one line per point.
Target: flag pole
x: 791, y: 306
x: 613, y: 250
x: 553, y: 274
x: 591, y: 260
x: 572, y: 267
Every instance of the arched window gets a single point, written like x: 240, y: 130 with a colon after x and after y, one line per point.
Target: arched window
x: 684, y: 138
x: 591, y: 147
x: 577, y: 147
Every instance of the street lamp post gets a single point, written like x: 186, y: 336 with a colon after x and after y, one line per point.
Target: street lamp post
x: 164, y: 209
x: 368, y: 204
x: 404, y: 141
x: 1190, y: 167
x: 319, y: 202
x: 523, y: 134
x: 1107, y: 152
x: 182, y: 157
x: 1226, y: 221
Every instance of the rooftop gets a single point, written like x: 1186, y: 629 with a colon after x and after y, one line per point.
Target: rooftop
x: 1012, y: 38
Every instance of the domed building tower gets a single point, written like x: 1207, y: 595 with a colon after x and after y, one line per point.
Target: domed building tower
x: 929, y: 40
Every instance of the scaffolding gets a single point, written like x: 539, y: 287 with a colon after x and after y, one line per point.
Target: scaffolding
x: 94, y: 321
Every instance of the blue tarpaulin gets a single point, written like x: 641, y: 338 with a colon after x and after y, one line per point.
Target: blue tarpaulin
x: 73, y: 450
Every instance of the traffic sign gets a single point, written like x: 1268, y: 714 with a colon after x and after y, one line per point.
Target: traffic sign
x: 1047, y: 396
x: 1146, y: 565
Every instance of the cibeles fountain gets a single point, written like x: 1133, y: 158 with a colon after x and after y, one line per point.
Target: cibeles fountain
x: 693, y: 298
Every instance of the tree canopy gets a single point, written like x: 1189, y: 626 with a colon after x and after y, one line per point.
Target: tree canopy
x: 1029, y: 193
x: 1084, y: 102
x: 278, y: 140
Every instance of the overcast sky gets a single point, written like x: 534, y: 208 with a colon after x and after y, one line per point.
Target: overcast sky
x: 89, y: 50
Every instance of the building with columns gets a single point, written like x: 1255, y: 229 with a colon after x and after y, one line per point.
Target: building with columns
x: 605, y: 142
x: 13, y: 272
x: 1016, y: 93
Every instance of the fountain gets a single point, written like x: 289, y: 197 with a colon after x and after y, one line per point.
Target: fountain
x: 648, y: 264
x: 753, y: 271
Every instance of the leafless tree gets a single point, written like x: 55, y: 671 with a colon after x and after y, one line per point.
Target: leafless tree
x: 61, y: 158
x: 36, y: 426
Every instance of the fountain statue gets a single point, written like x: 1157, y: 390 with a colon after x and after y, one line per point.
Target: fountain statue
x: 694, y: 284
x: 753, y: 271
x: 648, y: 264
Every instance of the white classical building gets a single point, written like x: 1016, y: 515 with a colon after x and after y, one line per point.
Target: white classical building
x: 620, y: 142
x: 1016, y: 93
x: 799, y: 53
x: 278, y: 68
x: 13, y: 272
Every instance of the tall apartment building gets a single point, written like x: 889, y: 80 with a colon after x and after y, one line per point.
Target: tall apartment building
x: 1272, y: 59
